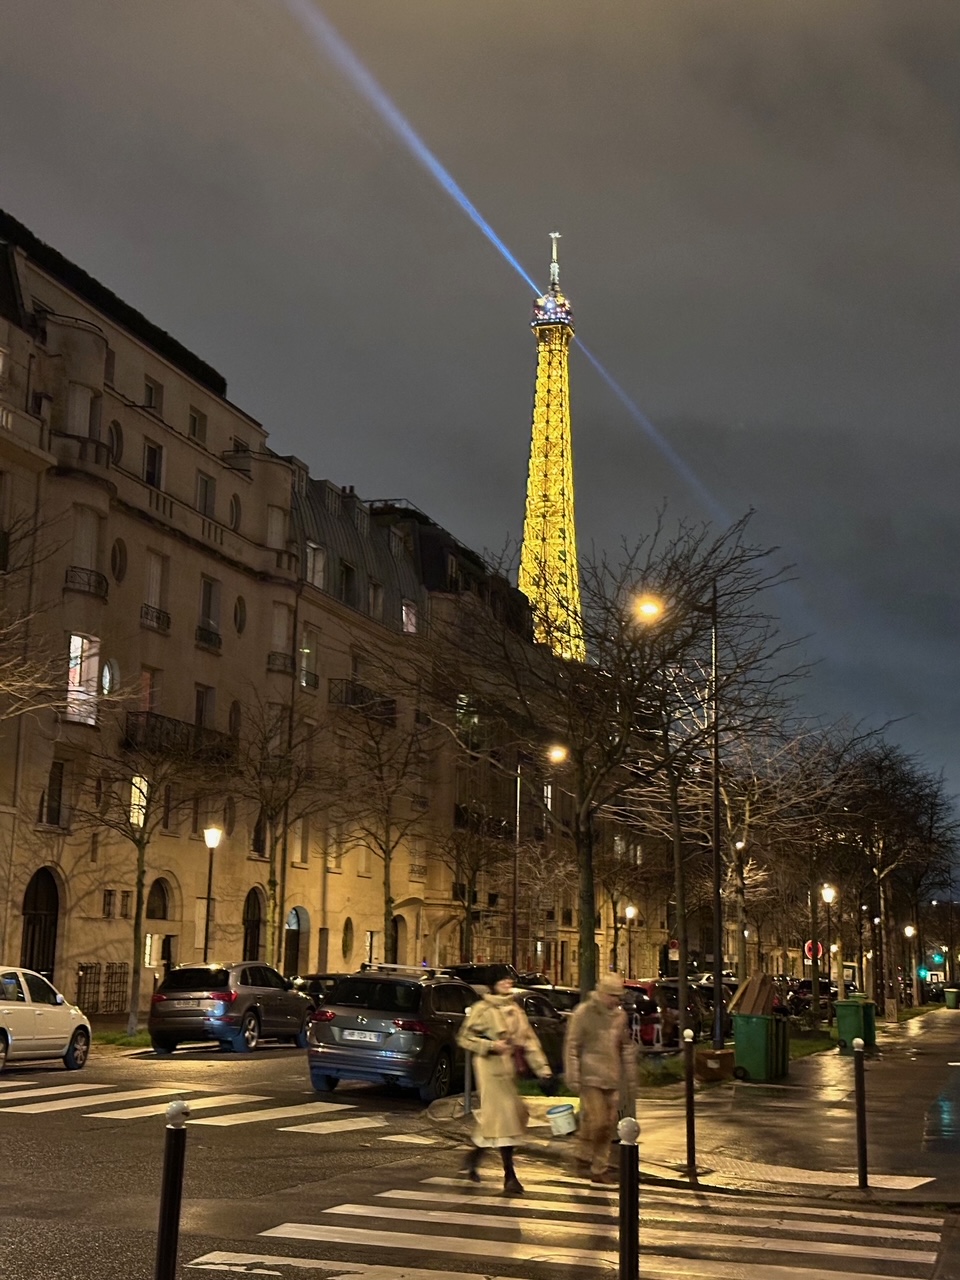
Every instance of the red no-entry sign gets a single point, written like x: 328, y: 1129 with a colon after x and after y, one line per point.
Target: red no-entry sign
x: 808, y: 950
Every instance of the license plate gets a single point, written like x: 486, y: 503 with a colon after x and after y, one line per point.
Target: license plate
x: 185, y: 1004
x: 369, y: 1037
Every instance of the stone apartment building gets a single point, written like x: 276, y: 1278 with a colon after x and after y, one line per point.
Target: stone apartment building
x: 188, y: 580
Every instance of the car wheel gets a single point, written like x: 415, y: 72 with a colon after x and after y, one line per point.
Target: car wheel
x: 3, y: 1050
x: 300, y: 1039
x: 163, y: 1048
x: 323, y: 1083
x: 248, y: 1036
x: 78, y: 1051
x: 441, y: 1081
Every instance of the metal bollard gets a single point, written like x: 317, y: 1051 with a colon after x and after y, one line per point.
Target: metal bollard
x: 691, y: 1118
x: 860, y: 1087
x: 171, y: 1189
x: 628, y: 1131
x: 467, y: 1082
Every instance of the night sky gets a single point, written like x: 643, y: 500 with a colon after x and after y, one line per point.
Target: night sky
x: 760, y: 208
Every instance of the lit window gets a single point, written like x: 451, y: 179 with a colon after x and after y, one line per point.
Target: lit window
x: 139, y: 789
x: 409, y: 618
x: 309, y: 658
x: 82, y: 679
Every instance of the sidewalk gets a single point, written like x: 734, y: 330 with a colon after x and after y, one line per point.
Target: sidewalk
x: 797, y: 1137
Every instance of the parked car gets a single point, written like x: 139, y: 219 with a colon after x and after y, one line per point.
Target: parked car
x: 563, y: 999
x: 533, y: 980
x: 644, y: 1020
x: 36, y: 1021
x: 484, y: 975
x: 665, y: 992
x: 236, y: 1005
x: 549, y: 1024
x: 316, y: 985
x: 390, y: 1024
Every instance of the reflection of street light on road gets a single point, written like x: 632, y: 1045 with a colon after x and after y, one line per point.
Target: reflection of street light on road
x: 630, y: 913
x: 211, y: 838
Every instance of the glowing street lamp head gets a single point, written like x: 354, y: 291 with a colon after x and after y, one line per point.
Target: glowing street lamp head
x: 828, y: 893
x: 910, y: 931
x: 557, y: 754
x: 211, y: 836
x: 630, y: 912
x: 648, y: 608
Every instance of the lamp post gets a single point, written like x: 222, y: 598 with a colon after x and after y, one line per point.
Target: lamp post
x: 556, y: 755
x: 829, y: 895
x: 648, y: 608
x: 211, y: 838
x: 910, y: 933
x: 630, y: 913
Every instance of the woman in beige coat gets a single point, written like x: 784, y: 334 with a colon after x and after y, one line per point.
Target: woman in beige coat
x: 494, y: 1029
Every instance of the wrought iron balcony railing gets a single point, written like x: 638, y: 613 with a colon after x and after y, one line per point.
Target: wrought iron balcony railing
x: 280, y: 662
x: 209, y: 639
x: 154, y: 618
x: 89, y: 581
x: 155, y: 734
x: 350, y: 693
x: 309, y: 680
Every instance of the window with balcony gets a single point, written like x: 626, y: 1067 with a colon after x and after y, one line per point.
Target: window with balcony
x: 208, y: 630
x: 206, y: 494
x: 153, y: 464
x: 83, y: 679
x: 153, y: 613
x: 310, y: 658
x: 204, y: 706
x: 149, y: 689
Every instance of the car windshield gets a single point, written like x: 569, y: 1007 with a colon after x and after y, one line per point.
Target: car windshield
x: 196, y: 980
x: 372, y: 993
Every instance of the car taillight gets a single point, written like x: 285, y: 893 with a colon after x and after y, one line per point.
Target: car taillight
x: 411, y: 1024
x: 323, y: 1015
x: 157, y: 998
x: 225, y: 997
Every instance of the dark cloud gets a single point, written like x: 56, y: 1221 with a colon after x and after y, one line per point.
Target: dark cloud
x: 759, y: 201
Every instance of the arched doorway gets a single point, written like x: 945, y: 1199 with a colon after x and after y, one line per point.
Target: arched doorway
x: 253, y: 926
x: 41, y: 913
x: 296, y: 941
x: 159, y: 907
x: 399, y: 926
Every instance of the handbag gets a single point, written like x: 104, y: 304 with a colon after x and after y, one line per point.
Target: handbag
x: 520, y: 1064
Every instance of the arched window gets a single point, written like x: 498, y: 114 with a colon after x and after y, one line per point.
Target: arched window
x: 158, y: 901
x: 252, y: 925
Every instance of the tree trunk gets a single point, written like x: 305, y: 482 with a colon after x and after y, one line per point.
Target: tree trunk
x: 272, y: 886
x: 588, y: 902
x: 133, y: 1015
x: 815, y: 959
x: 614, y: 906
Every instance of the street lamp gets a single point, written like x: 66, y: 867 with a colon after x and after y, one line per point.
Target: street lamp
x: 648, y: 608
x: 829, y: 895
x: 556, y: 754
x: 630, y: 912
x: 211, y: 838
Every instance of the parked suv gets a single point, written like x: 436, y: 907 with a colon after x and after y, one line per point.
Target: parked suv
x: 236, y: 1005
x: 390, y: 1024
x: 484, y: 975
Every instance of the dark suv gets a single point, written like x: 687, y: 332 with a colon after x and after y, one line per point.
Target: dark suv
x: 390, y: 1024
x: 484, y: 975
x: 234, y: 1004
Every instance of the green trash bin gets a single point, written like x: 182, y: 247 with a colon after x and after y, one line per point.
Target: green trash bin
x: 753, y: 1043
x: 856, y: 1019
x: 781, y: 1046
x: 951, y: 996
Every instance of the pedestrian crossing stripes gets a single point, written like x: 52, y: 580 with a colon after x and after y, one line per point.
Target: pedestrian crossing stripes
x: 103, y: 1102
x: 562, y: 1225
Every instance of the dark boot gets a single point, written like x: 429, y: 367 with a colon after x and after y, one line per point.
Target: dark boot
x: 471, y: 1164
x: 511, y: 1183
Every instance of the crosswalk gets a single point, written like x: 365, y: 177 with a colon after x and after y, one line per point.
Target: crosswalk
x: 563, y: 1226
x: 23, y: 1098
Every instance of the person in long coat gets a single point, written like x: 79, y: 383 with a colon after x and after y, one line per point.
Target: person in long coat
x: 496, y: 1031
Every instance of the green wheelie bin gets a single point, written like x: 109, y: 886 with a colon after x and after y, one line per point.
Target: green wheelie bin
x: 951, y: 997
x: 856, y: 1018
x: 753, y: 1043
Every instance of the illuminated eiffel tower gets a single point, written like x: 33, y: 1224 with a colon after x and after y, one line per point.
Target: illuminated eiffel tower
x: 549, y: 571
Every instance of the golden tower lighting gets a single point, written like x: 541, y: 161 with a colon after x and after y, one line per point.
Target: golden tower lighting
x: 549, y: 572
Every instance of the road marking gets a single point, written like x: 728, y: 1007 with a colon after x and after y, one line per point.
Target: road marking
x: 674, y: 1194
x: 16, y: 1084
x: 813, y: 1177
x: 337, y: 1126
x: 418, y: 1139
x: 222, y: 1261
x: 445, y: 1244
x: 195, y: 1104
x: 304, y: 1231
x: 88, y: 1100
x: 274, y: 1113
x: 649, y: 1214
x: 59, y: 1091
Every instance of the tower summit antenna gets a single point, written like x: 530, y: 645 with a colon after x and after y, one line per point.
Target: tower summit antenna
x: 549, y: 570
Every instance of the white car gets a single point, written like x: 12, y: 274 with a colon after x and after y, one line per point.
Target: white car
x: 37, y: 1022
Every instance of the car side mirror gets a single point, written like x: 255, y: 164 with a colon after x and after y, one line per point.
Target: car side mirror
x: 287, y: 984
x: 60, y: 998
